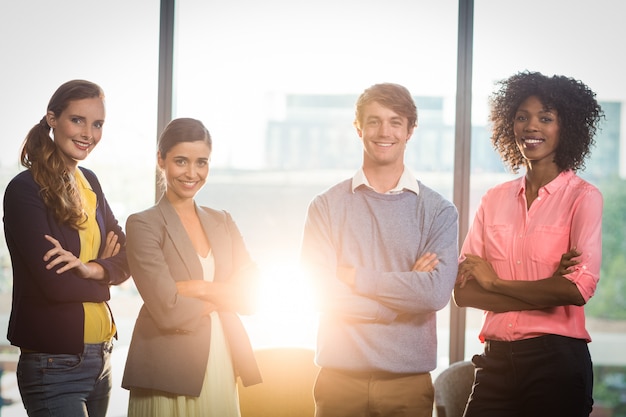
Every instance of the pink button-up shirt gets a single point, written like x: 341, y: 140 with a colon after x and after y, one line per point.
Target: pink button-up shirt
x: 527, y: 245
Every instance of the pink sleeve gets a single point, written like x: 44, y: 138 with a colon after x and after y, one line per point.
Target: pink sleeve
x: 586, y: 236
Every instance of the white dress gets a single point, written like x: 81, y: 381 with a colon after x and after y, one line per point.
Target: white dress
x: 218, y: 397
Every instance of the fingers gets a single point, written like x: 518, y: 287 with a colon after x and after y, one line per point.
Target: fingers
x: 575, y: 252
x: 465, y: 268
x: 209, y: 308
x: 51, y: 239
x: 572, y: 253
x: 426, y: 263
x: 112, y: 246
x: 193, y: 288
x: 57, y: 253
x: 57, y: 256
x: 54, y: 251
x: 74, y: 263
x: 66, y: 258
x: 184, y: 288
x: 461, y: 279
x: 181, y: 287
x: 567, y: 261
x: 464, y: 273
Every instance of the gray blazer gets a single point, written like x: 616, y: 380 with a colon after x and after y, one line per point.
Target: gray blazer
x: 170, y: 343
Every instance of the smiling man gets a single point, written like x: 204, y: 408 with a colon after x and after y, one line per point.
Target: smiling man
x: 381, y: 249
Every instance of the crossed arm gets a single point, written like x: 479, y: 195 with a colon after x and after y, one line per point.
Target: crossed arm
x: 425, y: 263
x: 232, y: 295
x: 479, y: 286
x: 90, y: 270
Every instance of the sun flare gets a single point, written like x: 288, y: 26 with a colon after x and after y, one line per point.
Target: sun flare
x: 285, y: 315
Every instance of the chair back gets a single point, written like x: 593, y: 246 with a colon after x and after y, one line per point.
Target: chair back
x: 453, y: 388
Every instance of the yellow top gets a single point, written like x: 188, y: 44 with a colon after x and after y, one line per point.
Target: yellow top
x: 99, y: 326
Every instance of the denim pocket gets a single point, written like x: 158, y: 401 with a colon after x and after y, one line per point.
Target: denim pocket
x: 59, y: 363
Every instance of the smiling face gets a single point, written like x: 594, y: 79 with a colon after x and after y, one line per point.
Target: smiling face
x: 384, y: 134
x: 185, y: 168
x: 78, y: 129
x: 537, y: 131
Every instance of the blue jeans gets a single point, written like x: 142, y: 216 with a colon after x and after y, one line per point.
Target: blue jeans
x: 64, y: 385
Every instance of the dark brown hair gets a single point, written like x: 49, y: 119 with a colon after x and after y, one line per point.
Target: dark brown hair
x: 181, y: 130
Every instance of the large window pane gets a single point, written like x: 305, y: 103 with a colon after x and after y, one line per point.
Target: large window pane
x: 577, y: 39
x: 276, y: 83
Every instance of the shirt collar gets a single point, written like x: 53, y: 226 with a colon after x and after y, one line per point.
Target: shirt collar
x: 407, y: 182
x: 552, y: 186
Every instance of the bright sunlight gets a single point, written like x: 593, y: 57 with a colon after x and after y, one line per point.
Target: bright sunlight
x: 285, y: 315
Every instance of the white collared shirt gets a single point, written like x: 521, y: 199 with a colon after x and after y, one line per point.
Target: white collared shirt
x: 407, y: 182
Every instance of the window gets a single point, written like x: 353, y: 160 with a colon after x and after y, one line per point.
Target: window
x: 276, y: 83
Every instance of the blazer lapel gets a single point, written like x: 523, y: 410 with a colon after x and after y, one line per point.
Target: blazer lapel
x: 176, y: 231
x: 215, y: 233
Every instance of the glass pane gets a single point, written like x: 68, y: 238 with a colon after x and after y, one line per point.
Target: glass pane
x: 575, y: 39
x: 276, y: 83
x: 115, y: 44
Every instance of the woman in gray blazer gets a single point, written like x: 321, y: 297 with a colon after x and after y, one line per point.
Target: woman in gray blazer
x: 194, y: 274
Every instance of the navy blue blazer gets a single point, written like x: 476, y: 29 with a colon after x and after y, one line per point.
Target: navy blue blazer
x: 47, y: 313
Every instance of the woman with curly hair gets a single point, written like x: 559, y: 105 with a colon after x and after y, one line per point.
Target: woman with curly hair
x: 531, y: 259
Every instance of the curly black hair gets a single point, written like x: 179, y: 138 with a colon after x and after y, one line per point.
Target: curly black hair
x: 578, y: 113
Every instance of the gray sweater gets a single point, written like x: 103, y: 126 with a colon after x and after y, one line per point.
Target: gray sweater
x: 387, y: 321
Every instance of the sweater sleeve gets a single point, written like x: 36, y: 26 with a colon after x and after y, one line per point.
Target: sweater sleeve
x: 319, y: 260
x: 420, y: 292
